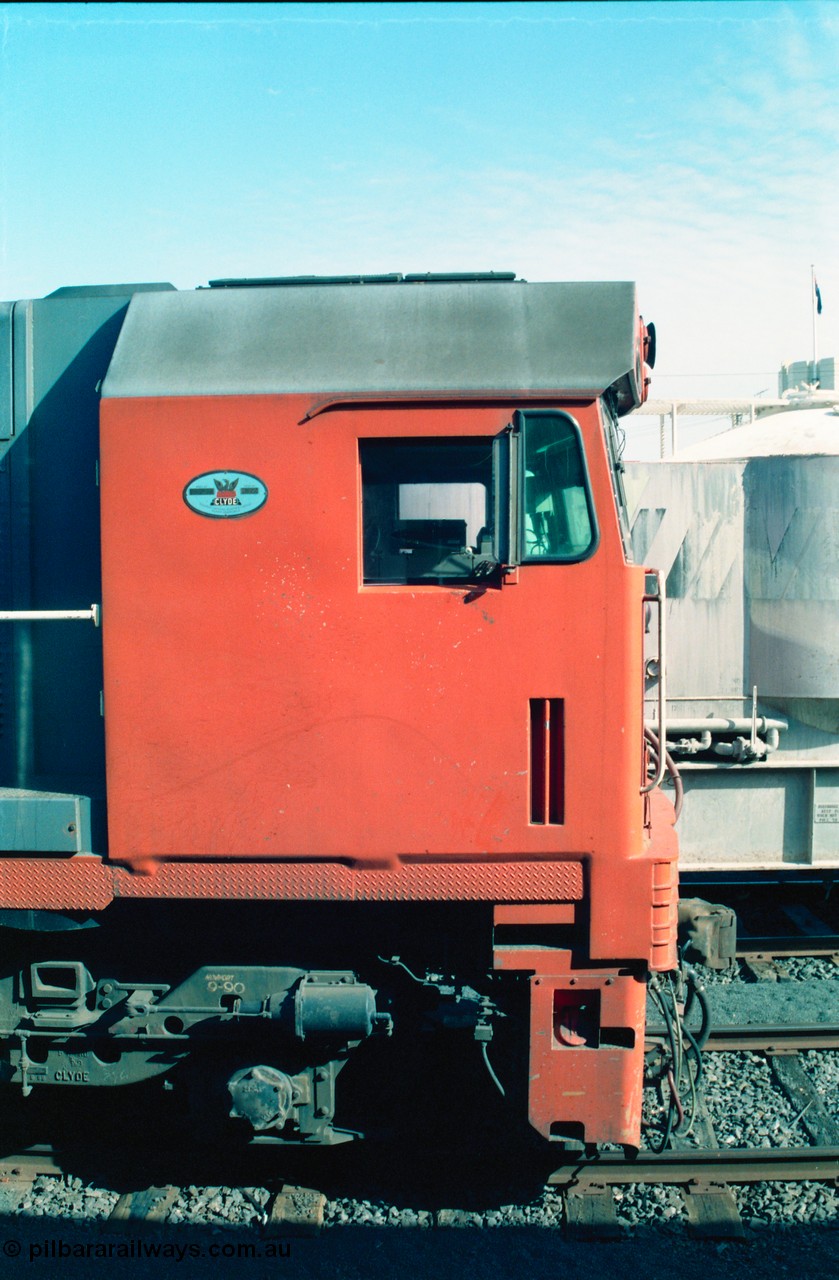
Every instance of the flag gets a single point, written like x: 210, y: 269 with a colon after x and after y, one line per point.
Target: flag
x: 818, y: 297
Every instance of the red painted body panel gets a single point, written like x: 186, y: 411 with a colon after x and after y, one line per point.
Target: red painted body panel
x: 577, y: 1072
x: 90, y: 884
x: 260, y: 702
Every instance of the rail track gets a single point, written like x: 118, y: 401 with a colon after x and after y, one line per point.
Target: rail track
x: 699, y: 1167
x: 705, y: 1178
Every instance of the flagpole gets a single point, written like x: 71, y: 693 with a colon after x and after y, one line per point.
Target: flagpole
x: 813, y: 304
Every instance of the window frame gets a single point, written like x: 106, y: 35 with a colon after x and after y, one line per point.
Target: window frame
x: 519, y: 430
x: 505, y: 502
x: 483, y: 570
x: 615, y: 443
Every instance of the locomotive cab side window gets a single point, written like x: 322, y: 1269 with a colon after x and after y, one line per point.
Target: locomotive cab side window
x: 459, y: 509
x: 427, y: 510
x: 557, y: 519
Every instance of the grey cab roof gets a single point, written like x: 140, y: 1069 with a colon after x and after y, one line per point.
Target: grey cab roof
x: 381, y: 340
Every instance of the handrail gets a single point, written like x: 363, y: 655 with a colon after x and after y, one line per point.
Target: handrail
x: 52, y: 615
x: 660, y: 598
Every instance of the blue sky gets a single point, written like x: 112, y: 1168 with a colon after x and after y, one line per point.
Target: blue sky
x: 691, y: 147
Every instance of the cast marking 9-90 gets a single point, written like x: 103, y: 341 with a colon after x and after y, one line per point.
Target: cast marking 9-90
x: 224, y: 495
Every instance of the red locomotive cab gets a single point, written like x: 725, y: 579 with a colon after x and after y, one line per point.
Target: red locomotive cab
x: 428, y: 639
x: 374, y: 642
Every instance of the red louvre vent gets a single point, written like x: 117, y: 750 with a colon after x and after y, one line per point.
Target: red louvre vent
x: 547, y: 760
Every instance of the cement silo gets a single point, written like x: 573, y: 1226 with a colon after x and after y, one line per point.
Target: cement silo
x: 746, y: 527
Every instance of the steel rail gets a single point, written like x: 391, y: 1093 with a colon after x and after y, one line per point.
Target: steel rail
x: 788, y: 946
x: 761, y: 1038
x: 772, y: 1039
x: 772, y: 1164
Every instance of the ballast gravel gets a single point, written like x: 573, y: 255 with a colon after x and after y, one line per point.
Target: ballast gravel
x: 545, y: 1211
x: 823, y: 1069
x: 765, y: 1204
x: 236, y: 1206
x: 649, y: 1207
x: 788, y: 969
x: 67, y: 1198
x: 745, y: 1105
x: 804, y: 1003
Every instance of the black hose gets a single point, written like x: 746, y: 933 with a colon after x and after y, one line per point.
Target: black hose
x: 697, y: 992
x: 499, y: 1086
x: 671, y: 1035
x: 697, y: 1050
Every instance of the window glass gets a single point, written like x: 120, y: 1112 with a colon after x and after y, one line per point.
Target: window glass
x: 445, y: 501
x: 557, y: 514
x: 427, y: 509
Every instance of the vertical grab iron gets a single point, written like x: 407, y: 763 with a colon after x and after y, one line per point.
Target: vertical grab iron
x: 658, y: 597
